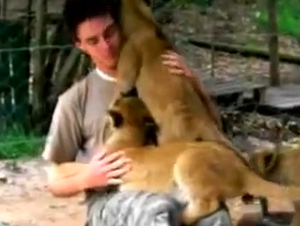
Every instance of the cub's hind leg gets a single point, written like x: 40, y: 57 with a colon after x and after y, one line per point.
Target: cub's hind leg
x: 198, y: 209
x: 202, y: 200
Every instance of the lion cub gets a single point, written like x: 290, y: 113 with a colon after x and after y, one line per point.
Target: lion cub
x: 280, y: 167
x: 172, y: 100
x: 205, y: 173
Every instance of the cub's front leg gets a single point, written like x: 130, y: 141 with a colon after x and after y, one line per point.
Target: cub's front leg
x: 128, y: 69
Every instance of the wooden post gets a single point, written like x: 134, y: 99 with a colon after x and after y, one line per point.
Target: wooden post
x: 273, y: 43
x: 3, y: 5
x: 39, y: 79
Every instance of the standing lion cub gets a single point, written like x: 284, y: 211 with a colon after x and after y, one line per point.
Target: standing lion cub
x: 172, y: 100
x: 204, y: 173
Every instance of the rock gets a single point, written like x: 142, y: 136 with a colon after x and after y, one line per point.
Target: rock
x: 3, y: 177
x: 13, y: 166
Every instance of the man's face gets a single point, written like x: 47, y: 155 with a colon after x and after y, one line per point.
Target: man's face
x: 100, y: 38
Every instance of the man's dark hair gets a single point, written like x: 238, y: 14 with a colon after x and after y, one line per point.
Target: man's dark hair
x: 77, y: 11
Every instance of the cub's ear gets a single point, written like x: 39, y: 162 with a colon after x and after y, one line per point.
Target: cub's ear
x: 148, y: 2
x: 151, y: 125
x: 131, y: 93
x: 149, y: 121
x: 270, y: 159
x: 117, y: 118
x: 265, y: 161
x: 151, y: 131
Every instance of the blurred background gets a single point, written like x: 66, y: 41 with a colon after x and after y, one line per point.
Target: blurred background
x: 246, y: 52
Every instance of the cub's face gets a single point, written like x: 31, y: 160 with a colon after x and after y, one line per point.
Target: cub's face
x: 132, y: 122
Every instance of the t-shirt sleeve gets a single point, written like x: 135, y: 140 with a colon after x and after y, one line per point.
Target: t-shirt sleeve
x: 64, y: 137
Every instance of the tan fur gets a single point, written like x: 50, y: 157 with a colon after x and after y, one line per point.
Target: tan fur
x: 207, y: 173
x: 280, y: 167
x: 172, y: 100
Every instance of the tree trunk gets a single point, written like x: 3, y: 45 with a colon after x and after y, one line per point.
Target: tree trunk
x: 39, y: 79
x: 3, y: 5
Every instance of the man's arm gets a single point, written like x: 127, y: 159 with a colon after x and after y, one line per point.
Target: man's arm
x: 62, y: 185
x: 67, y: 178
x: 61, y: 146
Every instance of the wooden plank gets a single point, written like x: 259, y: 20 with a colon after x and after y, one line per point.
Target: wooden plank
x: 221, y: 88
x: 283, y: 97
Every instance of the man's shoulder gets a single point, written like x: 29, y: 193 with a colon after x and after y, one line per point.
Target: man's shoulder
x: 76, y: 93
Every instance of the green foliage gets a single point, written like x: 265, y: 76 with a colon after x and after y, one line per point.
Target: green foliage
x: 15, y: 143
x: 288, y: 17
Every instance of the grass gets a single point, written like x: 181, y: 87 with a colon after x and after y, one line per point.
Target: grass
x: 288, y: 17
x: 15, y: 144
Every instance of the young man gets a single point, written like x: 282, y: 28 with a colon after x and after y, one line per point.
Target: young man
x: 77, y: 122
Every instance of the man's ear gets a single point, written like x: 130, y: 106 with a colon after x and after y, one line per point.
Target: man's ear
x: 116, y: 117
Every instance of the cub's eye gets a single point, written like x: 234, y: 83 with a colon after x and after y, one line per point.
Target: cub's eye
x: 117, y: 118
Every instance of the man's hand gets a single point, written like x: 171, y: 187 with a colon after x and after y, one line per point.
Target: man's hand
x: 106, y: 169
x: 176, y: 64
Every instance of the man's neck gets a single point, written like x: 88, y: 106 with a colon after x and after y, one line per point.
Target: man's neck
x: 109, y: 72
x: 106, y: 75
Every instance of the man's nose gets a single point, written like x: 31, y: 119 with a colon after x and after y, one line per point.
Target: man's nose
x: 105, y: 45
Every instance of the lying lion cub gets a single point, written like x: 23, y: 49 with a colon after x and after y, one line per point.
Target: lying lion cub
x: 206, y: 173
x: 280, y: 167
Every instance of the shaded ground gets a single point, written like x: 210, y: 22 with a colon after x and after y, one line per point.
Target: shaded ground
x: 25, y: 201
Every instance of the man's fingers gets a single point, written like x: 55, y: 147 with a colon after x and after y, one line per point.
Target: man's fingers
x: 168, y: 57
x: 176, y: 71
x: 172, y: 63
x: 171, y: 55
x: 100, y: 155
x: 117, y: 164
x: 114, y: 181
x: 112, y: 157
x: 118, y: 172
x: 171, y: 59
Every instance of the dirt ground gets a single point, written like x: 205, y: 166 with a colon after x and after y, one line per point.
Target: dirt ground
x: 25, y: 200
